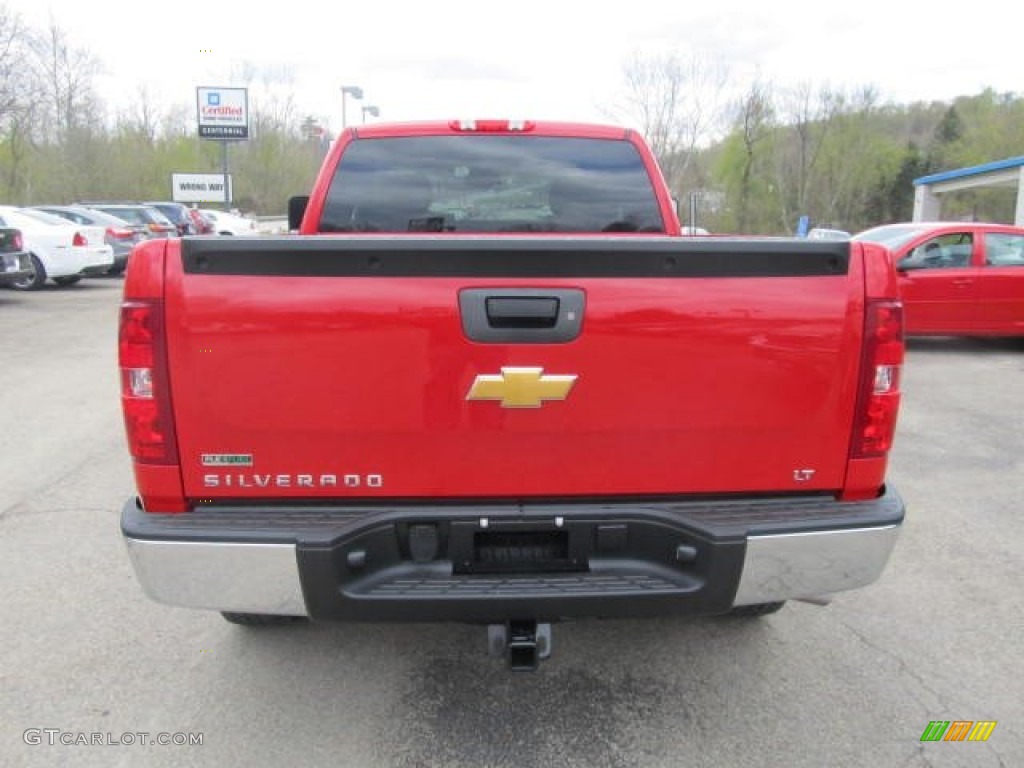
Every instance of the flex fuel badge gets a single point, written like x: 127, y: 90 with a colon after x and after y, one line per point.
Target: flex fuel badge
x: 227, y: 459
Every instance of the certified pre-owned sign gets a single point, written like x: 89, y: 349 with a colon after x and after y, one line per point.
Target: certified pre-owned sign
x: 223, y: 113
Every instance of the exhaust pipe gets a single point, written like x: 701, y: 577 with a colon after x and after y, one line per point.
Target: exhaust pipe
x: 822, y: 601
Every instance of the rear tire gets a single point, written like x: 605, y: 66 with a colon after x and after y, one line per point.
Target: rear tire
x: 260, y: 619
x: 34, y: 281
x: 67, y: 280
x: 758, y: 609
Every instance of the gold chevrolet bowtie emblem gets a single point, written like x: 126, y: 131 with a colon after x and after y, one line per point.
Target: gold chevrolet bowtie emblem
x: 521, y: 387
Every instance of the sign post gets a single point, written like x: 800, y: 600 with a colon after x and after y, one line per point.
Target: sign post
x: 224, y: 173
x: 223, y: 115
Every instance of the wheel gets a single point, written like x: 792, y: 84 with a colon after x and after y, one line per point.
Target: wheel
x: 757, y: 609
x: 260, y: 619
x: 67, y: 280
x: 35, y: 280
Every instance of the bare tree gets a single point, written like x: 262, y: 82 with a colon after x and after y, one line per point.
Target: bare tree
x: 11, y: 79
x: 754, y: 116
x: 65, y: 131
x: 850, y: 164
x: 144, y: 116
x: 676, y: 102
x: 18, y: 96
x: 178, y: 121
x: 66, y: 74
x: 271, y: 96
x: 810, y: 115
x: 276, y: 161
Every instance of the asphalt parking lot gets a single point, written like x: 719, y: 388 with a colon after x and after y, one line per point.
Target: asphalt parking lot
x: 940, y: 637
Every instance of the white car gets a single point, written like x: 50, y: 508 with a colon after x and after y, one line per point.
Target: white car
x: 230, y: 224
x: 819, y: 233
x: 59, y: 249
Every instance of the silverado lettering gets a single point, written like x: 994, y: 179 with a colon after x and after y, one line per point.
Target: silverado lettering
x: 581, y: 411
x: 290, y: 481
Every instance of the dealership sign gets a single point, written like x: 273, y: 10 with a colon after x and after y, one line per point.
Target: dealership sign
x: 223, y: 113
x: 199, y: 188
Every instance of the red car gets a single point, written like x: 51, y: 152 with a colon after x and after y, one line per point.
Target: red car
x: 958, y: 278
x: 202, y: 223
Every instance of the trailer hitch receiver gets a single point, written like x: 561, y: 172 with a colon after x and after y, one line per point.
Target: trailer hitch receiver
x: 524, y: 644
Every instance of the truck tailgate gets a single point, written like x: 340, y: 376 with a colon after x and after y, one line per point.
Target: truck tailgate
x: 339, y: 367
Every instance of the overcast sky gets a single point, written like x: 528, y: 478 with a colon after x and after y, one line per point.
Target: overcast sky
x: 557, y: 59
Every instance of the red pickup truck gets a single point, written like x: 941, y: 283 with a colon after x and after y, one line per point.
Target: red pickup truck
x: 489, y: 381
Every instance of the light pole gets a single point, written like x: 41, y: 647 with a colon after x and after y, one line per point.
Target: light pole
x: 375, y: 111
x: 349, y: 90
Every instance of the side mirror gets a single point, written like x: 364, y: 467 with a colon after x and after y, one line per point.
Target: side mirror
x: 296, y: 210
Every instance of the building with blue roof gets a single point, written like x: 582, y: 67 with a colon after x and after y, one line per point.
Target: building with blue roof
x: 928, y: 190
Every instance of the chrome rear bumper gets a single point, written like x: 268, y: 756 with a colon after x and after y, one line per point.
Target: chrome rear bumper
x: 669, y: 559
x: 223, y: 576
x: 790, y: 566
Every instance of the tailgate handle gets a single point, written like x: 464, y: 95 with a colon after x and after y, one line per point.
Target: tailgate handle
x: 521, y: 315
x: 522, y: 311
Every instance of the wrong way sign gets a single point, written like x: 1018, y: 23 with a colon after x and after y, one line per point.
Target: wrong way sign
x: 199, y: 188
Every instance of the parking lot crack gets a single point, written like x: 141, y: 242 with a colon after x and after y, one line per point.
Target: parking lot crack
x: 918, y: 757
x: 999, y: 757
x: 17, y: 509
x: 22, y: 509
x: 904, y: 667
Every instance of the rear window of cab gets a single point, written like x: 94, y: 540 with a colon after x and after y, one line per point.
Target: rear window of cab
x: 489, y: 183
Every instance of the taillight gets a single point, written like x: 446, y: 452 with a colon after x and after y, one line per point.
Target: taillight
x: 79, y: 239
x: 119, y: 234
x: 145, y: 393
x: 19, y: 244
x: 878, y: 402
